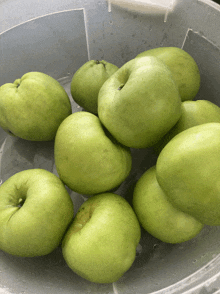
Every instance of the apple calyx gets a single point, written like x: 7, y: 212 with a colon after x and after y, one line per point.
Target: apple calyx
x: 17, y: 82
x: 100, y: 62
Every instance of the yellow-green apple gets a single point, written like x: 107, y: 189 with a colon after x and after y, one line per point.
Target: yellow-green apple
x: 87, y: 158
x: 158, y: 216
x: 188, y: 171
x: 193, y: 113
x: 87, y: 81
x: 140, y: 102
x: 183, y: 67
x: 100, y: 244
x: 35, y: 211
x: 33, y: 107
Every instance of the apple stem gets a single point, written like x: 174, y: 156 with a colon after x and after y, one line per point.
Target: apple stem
x: 99, y: 62
x: 17, y: 82
x: 120, y: 87
x: 21, y: 202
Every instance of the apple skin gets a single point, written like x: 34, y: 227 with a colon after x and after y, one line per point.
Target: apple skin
x: 140, y: 102
x: 158, y: 216
x: 87, y: 158
x: 87, y: 81
x: 100, y: 244
x: 33, y: 107
x: 188, y: 171
x: 193, y: 113
x: 35, y: 211
x: 183, y: 67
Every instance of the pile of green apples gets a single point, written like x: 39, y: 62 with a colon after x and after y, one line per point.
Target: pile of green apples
x: 146, y: 103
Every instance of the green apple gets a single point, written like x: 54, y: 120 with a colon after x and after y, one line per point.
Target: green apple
x: 35, y: 211
x: 100, y: 244
x: 158, y: 216
x: 183, y: 67
x: 193, y: 113
x: 87, y: 158
x: 188, y: 171
x: 87, y: 82
x: 33, y: 107
x: 140, y: 102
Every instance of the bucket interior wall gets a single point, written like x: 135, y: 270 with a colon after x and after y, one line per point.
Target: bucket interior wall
x: 57, y: 37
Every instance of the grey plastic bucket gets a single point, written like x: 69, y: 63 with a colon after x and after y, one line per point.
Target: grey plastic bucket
x: 57, y: 37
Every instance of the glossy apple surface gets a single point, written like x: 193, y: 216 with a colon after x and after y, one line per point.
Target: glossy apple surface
x: 140, y: 102
x: 87, y: 81
x: 100, y: 244
x: 35, y: 211
x: 88, y: 159
x: 158, y: 216
x: 33, y: 107
x: 188, y: 171
x: 193, y: 113
x: 183, y: 67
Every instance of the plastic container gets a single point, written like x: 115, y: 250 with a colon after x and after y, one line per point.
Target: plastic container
x: 146, y: 6
x: 57, y: 37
